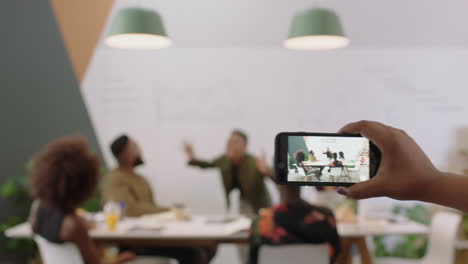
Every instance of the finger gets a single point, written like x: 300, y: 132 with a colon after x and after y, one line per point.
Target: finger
x: 374, y: 131
x: 362, y: 127
x: 363, y: 190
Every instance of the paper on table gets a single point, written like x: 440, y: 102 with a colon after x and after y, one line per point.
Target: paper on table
x: 198, y: 226
x: 138, y: 223
x: 241, y: 224
x: 159, y: 217
x: 202, y: 226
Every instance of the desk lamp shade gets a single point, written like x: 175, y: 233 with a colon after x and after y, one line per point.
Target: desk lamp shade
x: 137, y: 28
x: 316, y: 29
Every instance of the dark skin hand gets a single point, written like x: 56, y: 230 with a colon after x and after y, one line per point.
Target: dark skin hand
x: 405, y: 172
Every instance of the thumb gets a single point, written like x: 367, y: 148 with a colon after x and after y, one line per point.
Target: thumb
x: 362, y: 190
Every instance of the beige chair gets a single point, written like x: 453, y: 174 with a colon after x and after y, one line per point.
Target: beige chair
x: 294, y: 254
x: 442, y: 239
x: 152, y: 260
x: 53, y: 253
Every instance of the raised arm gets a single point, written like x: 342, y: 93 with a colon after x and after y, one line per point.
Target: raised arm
x: 263, y: 168
x: 193, y: 161
x: 405, y: 172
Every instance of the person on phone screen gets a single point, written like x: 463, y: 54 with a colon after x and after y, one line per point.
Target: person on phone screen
x: 341, y: 156
x: 312, y: 156
x: 300, y: 157
x: 328, y: 153
x: 405, y: 172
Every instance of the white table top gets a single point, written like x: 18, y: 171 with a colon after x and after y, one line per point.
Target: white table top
x: 364, y: 227
x: 198, y: 228
x: 321, y: 163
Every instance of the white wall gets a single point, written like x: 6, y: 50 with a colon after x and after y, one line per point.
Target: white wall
x: 352, y: 148
x: 165, y: 97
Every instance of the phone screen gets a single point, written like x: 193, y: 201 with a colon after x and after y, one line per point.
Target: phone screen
x: 328, y: 159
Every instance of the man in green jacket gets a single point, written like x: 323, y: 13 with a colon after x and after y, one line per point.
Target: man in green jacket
x: 124, y: 184
x: 239, y: 170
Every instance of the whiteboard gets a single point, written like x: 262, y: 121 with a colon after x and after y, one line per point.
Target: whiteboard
x: 165, y: 97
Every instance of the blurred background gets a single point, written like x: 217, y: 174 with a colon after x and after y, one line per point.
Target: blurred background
x: 227, y: 69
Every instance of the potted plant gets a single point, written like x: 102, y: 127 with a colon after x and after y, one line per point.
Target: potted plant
x: 14, y: 192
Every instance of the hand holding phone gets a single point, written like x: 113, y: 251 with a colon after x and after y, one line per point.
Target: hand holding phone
x: 406, y: 173
x: 324, y: 159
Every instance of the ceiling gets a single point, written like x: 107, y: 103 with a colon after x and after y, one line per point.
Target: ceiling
x: 264, y: 23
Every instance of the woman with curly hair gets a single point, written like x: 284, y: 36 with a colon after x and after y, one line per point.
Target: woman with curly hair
x: 65, y: 174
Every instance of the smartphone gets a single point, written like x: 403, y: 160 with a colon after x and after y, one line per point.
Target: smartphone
x: 324, y: 159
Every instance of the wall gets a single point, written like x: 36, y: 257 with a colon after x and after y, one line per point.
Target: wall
x: 81, y: 24
x: 166, y: 97
x: 40, y: 97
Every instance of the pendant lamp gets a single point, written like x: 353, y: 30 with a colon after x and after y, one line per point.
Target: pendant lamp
x: 138, y: 29
x: 316, y: 29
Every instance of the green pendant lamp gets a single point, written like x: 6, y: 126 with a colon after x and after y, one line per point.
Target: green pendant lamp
x: 316, y: 29
x: 137, y: 28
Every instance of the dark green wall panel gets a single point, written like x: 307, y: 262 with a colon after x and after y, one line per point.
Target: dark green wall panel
x: 39, y: 94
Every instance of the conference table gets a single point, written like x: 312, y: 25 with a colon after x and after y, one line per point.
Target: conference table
x: 354, y: 234
x: 212, y: 230
x: 325, y: 163
x: 295, y: 175
x: 156, y: 231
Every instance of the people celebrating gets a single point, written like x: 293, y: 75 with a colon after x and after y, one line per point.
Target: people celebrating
x: 239, y: 170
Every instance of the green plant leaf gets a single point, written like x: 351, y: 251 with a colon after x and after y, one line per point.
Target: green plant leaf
x: 15, y: 191
x: 412, y: 246
x: 419, y: 214
x: 8, y: 189
x: 93, y: 204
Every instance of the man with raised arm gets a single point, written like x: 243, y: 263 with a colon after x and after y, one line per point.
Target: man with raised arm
x: 239, y: 170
